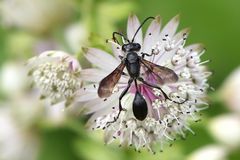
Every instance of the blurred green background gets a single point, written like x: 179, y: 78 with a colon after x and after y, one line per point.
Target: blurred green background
x: 69, y: 25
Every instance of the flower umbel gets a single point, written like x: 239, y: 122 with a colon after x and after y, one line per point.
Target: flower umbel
x: 167, y: 115
x: 56, y: 74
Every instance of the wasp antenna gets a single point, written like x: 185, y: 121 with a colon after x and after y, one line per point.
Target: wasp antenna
x: 141, y: 26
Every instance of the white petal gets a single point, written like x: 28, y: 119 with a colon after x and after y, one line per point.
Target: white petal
x: 35, y: 61
x: 180, y: 34
x: 96, y: 75
x: 99, y: 104
x: 54, y: 53
x: 198, y: 47
x: 101, y: 59
x: 86, y: 93
x: 56, y: 112
x: 117, y: 51
x: 123, y: 80
x: 230, y: 92
x: 159, y: 59
x: 170, y: 28
x: 53, y: 56
x: 86, y: 96
x: 97, y: 114
x: 132, y: 26
x: 151, y: 36
x: 12, y: 81
x: 165, y: 57
x: 94, y: 105
x: 210, y: 152
x: 108, y: 136
x: 93, y: 74
x: 226, y: 129
x: 73, y: 63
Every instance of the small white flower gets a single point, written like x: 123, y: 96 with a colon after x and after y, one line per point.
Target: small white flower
x: 16, y: 143
x: 226, y: 129
x: 230, y: 91
x: 11, y: 80
x: 38, y: 16
x: 57, y: 113
x: 165, y: 118
x: 56, y: 74
x: 211, y: 152
x: 76, y: 36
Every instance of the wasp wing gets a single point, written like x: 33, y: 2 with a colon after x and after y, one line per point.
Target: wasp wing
x: 108, y: 83
x: 162, y: 74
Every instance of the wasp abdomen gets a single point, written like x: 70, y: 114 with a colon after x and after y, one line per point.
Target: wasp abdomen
x: 140, y: 109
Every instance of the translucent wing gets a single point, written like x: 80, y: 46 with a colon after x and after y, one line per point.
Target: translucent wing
x: 163, y: 74
x: 108, y: 83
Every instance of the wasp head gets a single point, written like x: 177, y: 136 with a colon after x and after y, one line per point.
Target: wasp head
x: 131, y: 47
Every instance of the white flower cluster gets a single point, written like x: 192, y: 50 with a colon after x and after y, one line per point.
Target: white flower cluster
x: 56, y: 74
x: 166, y: 118
x: 55, y: 82
x: 170, y: 104
x: 31, y: 15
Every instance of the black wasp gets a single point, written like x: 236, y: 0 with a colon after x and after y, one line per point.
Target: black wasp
x: 133, y: 62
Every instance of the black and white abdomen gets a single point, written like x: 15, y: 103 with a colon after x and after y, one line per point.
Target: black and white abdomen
x: 133, y: 64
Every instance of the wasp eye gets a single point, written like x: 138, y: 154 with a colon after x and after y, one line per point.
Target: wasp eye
x: 124, y: 48
x: 138, y: 46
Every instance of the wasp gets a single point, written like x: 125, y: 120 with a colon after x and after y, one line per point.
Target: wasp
x: 134, y: 61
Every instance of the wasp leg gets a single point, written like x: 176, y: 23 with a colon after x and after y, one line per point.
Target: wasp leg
x: 146, y: 54
x: 124, y: 74
x: 164, y: 94
x: 120, y: 108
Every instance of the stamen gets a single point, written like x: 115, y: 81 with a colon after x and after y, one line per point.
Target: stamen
x: 204, y: 62
x: 112, y: 42
x: 189, y: 129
